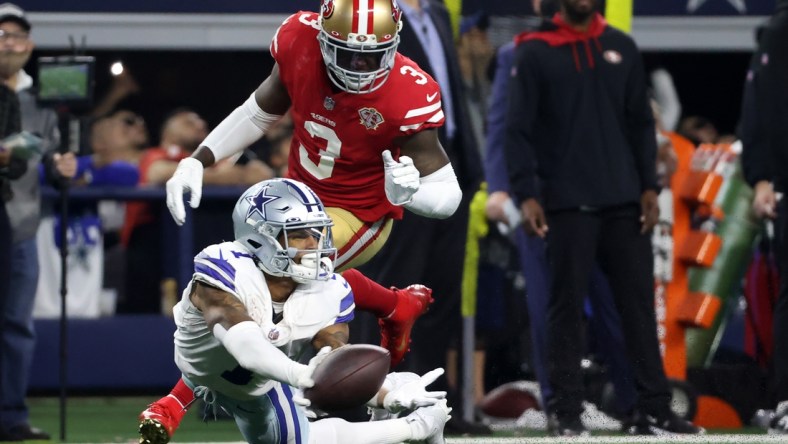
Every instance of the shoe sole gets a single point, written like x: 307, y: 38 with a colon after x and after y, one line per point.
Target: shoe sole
x: 153, y: 432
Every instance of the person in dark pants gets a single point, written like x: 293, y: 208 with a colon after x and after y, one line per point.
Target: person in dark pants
x: 427, y: 250
x: 606, y: 323
x: 765, y: 162
x: 581, y: 153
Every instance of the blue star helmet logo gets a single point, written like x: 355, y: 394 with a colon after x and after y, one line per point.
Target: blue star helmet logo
x: 258, y: 202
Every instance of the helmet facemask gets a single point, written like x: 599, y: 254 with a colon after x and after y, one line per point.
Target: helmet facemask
x: 340, y: 58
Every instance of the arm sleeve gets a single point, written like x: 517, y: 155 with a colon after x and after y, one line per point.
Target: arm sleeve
x: 494, y: 162
x: 520, y: 117
x: 640, y: 125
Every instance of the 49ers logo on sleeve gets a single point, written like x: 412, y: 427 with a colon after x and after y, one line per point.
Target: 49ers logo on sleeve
x: 370, y: 118
x: 327, y: 10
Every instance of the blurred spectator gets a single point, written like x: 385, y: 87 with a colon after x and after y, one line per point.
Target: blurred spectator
x: 18, y: 337
x: 666, y: 97
x: 765, y: 160
x: 113, y: 163
x: 123, y: 85
x: 181, y: 134
x: 586, y: 150
x: 698, y: 130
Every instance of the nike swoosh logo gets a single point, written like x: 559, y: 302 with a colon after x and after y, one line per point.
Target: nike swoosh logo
x: 431, y: 97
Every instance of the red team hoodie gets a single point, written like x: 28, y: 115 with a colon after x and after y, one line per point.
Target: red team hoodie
x: 580, y: 132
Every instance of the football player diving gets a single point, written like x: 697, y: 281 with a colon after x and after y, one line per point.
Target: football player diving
x: 365, y: 140
x: 255, y: 305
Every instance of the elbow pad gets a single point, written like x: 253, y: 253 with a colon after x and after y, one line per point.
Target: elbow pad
x: 244, y: 126
x: 438, y: 196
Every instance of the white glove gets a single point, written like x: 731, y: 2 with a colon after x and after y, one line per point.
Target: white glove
x: 304, y: 378
x: 187, y: 177
x: 409, y: 391
x: 309, y: 411
x: 402, y: 179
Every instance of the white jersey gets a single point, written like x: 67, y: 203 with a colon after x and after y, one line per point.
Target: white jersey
x: 230, y: 267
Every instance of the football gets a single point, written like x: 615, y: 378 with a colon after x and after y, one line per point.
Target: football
x: 348, y: 377
x: 509, y: 400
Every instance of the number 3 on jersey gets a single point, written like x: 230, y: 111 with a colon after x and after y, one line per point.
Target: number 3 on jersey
x: 325, y: 167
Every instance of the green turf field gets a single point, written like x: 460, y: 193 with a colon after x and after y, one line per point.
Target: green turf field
x: 113, y: 420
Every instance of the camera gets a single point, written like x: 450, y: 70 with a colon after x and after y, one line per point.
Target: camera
x: 66, y: 81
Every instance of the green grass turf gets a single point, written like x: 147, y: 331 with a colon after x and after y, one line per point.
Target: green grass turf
x: 114, y: 420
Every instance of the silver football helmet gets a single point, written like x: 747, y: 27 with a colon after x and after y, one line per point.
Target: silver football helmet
x: 262, y: 218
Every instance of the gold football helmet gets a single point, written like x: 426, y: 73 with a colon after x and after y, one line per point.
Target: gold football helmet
x: 358, y: 39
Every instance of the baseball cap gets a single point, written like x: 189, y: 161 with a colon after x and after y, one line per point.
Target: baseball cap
x: 10, y: 12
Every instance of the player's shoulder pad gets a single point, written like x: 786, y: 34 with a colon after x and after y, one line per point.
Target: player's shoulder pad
x: 417, y: 96
x: 297, y: 30
x: 218, y: 264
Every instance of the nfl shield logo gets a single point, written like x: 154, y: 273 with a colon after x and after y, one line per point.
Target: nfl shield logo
x: 273, y: 334
x: 370, y: 118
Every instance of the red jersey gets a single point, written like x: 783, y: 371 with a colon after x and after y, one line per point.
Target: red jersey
x: 338, y: 136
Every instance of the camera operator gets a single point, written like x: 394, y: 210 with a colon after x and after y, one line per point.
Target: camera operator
x: 17, y: 338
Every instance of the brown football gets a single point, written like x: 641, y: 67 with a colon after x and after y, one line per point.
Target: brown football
x: 348, y: 377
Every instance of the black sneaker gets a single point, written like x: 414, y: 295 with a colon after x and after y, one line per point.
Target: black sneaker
x: 566, y: 425
x: 24, y: 432
x: 666, y: 424
x: 779, y: 423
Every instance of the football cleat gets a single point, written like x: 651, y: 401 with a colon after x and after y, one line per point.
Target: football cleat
x: 666, y: 424
x: 412, y: 302
x: 160, y: 420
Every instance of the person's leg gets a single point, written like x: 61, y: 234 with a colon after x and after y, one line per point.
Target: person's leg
x: 780, y: 321
x: 571, y: 249
x: 626, y: 258
x: 605, y: 325
x: 533, y: 262
x: 5, y: 278
x: 19, y: 335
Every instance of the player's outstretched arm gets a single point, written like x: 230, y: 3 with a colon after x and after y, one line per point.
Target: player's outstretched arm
x: 437, y: 193
x: 244, y: 339
x: 244, y: 126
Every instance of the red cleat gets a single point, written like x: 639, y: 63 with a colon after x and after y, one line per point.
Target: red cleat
x: 412, y: 302
x: 160, y: 420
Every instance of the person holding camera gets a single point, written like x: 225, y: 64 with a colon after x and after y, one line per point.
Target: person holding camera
x: 17, y: 338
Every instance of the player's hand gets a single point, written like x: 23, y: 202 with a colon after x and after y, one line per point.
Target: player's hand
x: 304, y: 380
x: 765, y: 200
x: 649, y: 211
x: 187, y: 177
x: 534, y: 220
x: 402, y: 179
x: 409, y: 391
x: 309, y: 411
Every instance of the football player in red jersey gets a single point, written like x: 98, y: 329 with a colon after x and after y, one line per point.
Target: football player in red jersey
x: 365, y: 140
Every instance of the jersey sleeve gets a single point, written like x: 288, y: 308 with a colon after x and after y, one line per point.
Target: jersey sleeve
x: 212, y: 266
x: 347, y: 304
x: 421, y: 106
x: 292, y: 34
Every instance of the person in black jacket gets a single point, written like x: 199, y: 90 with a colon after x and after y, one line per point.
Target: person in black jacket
x: 765, y: 164
x: 581, y: 153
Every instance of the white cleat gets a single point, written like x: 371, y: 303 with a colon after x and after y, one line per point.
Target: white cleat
x: 427, y: 423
